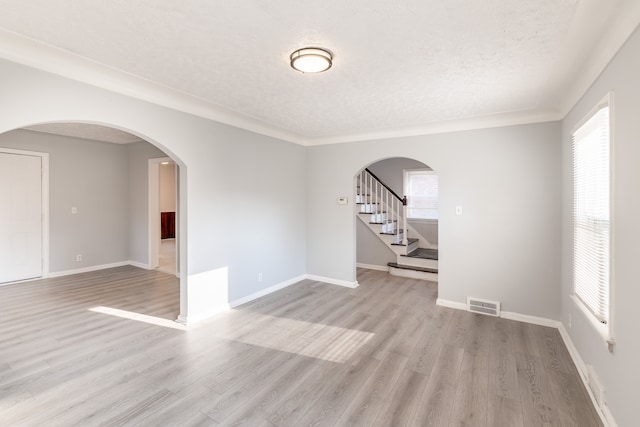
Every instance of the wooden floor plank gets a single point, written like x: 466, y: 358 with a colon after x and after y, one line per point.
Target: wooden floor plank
x: 310, y: 354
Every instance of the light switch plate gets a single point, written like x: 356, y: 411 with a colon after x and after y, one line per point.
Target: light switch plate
x: 343, y: 200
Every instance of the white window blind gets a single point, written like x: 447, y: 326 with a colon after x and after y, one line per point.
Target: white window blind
x: 421, y: 189
x: 591, y: 222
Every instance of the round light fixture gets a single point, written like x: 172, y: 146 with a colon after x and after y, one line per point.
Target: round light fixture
x: 311, y: 60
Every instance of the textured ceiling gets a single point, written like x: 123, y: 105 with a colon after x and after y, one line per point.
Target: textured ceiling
x: 86, y: 131
x: 398, y: 65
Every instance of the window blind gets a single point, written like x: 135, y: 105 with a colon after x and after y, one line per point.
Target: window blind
x: 421, y: 188
x: 591, y: 222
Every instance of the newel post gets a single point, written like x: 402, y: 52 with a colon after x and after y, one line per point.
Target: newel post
x: 405, y: 235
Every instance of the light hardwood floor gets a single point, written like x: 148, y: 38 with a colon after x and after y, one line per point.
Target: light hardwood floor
x: 311, y: 354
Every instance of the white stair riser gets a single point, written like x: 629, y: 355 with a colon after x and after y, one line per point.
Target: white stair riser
x: 379, y: 217
x: 432, y: 277
x: 417, y: 262
x: 369, y: 208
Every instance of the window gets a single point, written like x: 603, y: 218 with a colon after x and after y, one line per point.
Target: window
x: 591, y: 213
x: 421, y: 189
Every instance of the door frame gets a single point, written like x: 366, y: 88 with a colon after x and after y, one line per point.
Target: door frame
x: 154, y: 209
x: 44, y: 182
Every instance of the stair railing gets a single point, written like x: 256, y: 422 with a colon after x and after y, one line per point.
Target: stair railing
x: 377, y: 198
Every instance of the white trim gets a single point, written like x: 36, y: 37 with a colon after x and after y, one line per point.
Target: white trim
x: 475, y: 123
x: 451, y: 304
x: 526, y: 318
x: 139, y: 265
x: 331, y: 281
x: 372, y: 267
x: 605, y: 414
x: 44, y: 182
x: 267, y: 291
x: 33, y: 53
x: 88, y: 269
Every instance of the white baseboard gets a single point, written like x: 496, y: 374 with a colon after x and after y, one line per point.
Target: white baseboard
x: 88, y: 269
x: 604, y: 412
x: 267, y: 291
x: 139, y: 265
x: 372, y: 267
x: 535, y: 320
x: 331, y: 281
x: 451, y: 304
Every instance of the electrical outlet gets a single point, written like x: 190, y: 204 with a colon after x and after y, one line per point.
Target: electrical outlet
x: 259, y: 277
x: 78, y: 258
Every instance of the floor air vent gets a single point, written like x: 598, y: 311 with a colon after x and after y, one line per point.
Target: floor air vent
x: 483, y: 306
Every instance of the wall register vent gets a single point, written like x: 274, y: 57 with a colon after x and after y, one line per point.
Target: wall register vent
x: 483, y: 306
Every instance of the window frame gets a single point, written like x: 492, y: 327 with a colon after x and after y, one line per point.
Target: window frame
x: 405, y: 186
x: 605, y: 330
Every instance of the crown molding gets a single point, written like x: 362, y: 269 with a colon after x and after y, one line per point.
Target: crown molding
x: 472, y: 123
x: 23, y: 50
x: 601, y: 54
x: 32, y: 53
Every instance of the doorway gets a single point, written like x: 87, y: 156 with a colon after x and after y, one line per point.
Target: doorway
x: 163, y: 211
x: 23, y: 215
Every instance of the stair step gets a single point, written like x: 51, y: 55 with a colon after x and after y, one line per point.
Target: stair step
x: 411, y: 267
x: 423, y: 253
x: 410, y: 240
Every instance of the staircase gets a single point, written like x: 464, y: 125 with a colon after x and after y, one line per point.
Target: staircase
x: 385, y: 213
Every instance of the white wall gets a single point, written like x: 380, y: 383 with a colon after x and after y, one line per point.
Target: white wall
x: 618, y: 371
x: 227, y: 176
x: 167, y: 180
x: 505, y: 246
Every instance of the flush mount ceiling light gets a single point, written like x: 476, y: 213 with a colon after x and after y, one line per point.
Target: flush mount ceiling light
x: 311, y: 60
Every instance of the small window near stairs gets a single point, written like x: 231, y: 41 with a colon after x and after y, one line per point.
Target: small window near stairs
x: 421, y: 189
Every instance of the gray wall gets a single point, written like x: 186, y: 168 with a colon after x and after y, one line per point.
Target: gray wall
x: 370, y: 249
x: 227, y: 177
x: 108, y: 185
x: 91, y: 176
x: 618, y: 371
x: 505, y: 246
x: 139, y: 154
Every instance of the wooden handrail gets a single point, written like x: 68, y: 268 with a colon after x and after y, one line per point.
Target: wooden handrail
x: 402, y: 199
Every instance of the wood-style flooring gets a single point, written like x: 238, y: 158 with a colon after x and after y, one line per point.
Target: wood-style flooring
x: 101, y: 349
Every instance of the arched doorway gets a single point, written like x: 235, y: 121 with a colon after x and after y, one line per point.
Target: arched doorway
x: 99, y: 193
x: 396, y: 209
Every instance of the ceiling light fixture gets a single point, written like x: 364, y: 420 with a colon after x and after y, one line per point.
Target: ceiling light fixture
x: 311, y: 60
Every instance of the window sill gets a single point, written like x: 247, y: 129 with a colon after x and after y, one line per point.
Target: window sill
x: 423, y: 220
x: 601, y: 328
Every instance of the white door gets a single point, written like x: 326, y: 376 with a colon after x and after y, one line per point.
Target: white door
x: 20, y: 217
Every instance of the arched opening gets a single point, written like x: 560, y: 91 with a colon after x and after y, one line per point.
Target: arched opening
x: 396, y: 214
x: 97, y: 211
